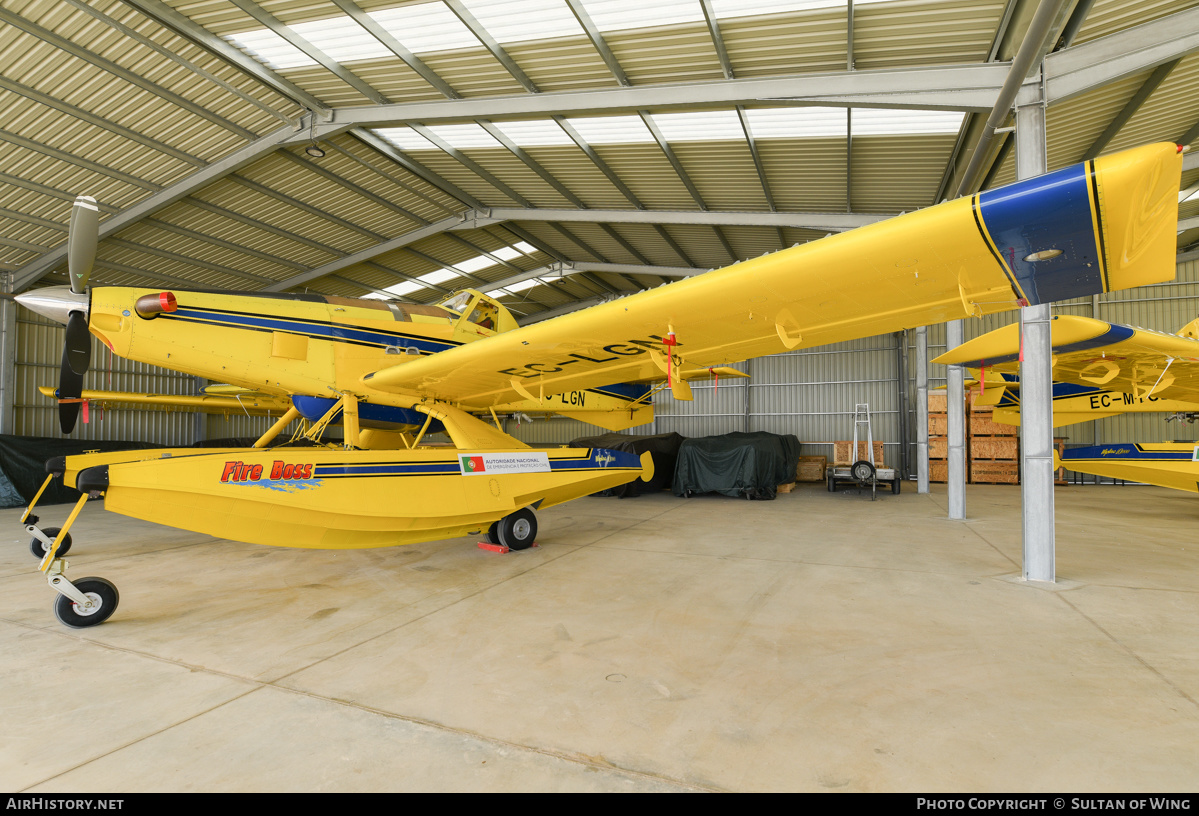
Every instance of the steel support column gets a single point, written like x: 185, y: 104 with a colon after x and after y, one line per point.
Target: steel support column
x: 8, y: 357
x: 956, y: 408
x: 922, y: 409
x: 1036, y: 383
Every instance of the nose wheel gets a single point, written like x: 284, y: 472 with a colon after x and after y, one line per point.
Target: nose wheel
x: 99, y: 600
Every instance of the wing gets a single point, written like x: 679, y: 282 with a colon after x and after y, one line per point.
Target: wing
x: 251, y: 403
x: 1103, y: 225
x: 1087, y: 352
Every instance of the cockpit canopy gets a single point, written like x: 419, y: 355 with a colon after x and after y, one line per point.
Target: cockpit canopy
x: 479, y: 309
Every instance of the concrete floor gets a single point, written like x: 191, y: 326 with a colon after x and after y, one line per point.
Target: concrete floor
x: 820, y: 642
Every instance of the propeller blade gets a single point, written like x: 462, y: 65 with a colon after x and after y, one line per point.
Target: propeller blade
x: 70, y: 387
x: 77, y: 351
x: 81, y: 241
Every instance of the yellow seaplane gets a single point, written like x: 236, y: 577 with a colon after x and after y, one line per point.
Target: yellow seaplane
x: 1102, y: 369
x: 1104, y: 225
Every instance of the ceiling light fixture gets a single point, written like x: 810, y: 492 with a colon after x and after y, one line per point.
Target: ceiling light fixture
x: 313, y: 149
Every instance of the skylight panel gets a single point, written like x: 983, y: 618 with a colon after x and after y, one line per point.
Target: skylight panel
x: 535, y: 133
x: 1187, y: 195
x: 615, y: 15
x: 598, y: 130
x: 475, y: 264
x: 796, y: 123
x: 696, y: 126
x: 270, y: 49
x: 438, y: 276
x: 465, y: 137
x: 750, y: 8
x: 405, y: 138
x: 529, y: 20
x: 426, y: 27
x: 886, y: 122
x: 404, y: 288
x: 527, y: 249
x: 342, y: 39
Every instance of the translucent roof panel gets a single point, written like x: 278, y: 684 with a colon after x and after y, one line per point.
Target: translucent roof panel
x: 535, y: 133
x: 426, y: 27
x: 598, y: 130
x: 439, y: 276
x: 465, y: 137
x: 885, y: 122
x: 796, y: 123
x: 342, y: 39
x: 406, y: 138
x: 750, y: 8
x: 270, y: 49
x: 614, y: 15
x: 531, y: 20
x: 697, y: 126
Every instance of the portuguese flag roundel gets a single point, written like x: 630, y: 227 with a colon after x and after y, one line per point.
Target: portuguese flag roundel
x: 472, y: 464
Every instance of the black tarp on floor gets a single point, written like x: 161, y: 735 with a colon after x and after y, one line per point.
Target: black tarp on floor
x: 663, y: 448
x: 745, y: 465
x: 23, y: 463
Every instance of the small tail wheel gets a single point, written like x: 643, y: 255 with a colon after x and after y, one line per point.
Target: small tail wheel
x: 862, y: 472
x: 104, y: 598
x: 517, y: 531
x: 39, y: 549
x: 832, y: 482
x: 895, y: 484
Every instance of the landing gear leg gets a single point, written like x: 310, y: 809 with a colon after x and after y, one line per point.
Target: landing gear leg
x: 89, y: 602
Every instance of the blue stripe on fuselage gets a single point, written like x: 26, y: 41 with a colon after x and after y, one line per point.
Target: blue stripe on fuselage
x: 1125, y: 451
x: 319, y: 330
x: 1052, y: 211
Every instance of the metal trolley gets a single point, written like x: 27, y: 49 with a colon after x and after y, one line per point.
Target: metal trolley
x: 863, y: 473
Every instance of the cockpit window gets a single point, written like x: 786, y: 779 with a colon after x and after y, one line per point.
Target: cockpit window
x: 458, y: 302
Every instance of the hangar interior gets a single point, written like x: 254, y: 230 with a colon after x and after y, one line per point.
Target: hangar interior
x: 558, y: 154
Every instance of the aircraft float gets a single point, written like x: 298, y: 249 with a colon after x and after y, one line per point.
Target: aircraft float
x: 1102, y: 369
x: 1100, y: 226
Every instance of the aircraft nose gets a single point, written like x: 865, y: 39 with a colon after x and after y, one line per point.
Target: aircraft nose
x: 54, y: 302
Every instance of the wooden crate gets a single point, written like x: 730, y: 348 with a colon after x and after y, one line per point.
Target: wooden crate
x: 937, y: 403
x: 994, y: 447
x: 841, y: 452
x: 991, y: 472
x: 938, y: 447
x: 979, y: 423
x: 785, y: 488
x: 938, y: 470
x: 938, y: 424
x: 811, y: 468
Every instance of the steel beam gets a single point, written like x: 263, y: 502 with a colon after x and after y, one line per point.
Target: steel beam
x: 490, y: 43
x: 824, y: 222
x: 1131, y: 107
x: 1081, y: 68
x: 172, y: 20
x: 897, y: 87
x: 1028, y: 59
x: 597, y: 40
x: 320, y: 57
